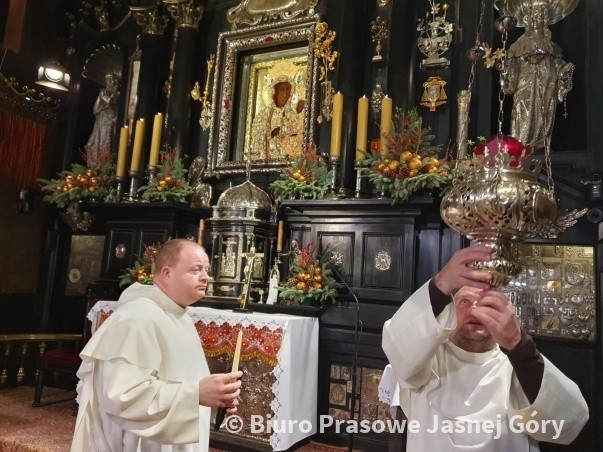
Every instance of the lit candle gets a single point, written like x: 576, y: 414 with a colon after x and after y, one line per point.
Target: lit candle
x: 156, y: 139
x: 336, y: 125
x: 122, y: 153
x: 279, y: 239
x: 137, y: 149
x: 361, y: 128
x: 386, y: 123
x: 201, y: 229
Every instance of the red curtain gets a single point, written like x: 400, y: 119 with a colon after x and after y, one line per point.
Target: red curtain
x: 21, y: 146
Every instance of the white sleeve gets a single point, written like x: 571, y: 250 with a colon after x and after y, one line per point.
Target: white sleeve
x: 412, y: 336
x: 559, y: 406
x: 137, y: 401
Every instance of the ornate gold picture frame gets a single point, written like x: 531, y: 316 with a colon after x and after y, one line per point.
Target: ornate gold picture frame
x: 250, y: 122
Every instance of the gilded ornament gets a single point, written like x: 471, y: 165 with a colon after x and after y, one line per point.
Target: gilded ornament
x: 433, y: 93
x: 327, y: 57
x: 379, y: 32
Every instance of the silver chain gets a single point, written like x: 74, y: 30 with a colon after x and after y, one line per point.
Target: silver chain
x: 478, y: 38
x: 547, y: 163
x: 501, y: 94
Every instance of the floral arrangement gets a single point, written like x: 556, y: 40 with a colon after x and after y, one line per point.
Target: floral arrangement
x: 307, y: 177
x: 170, y: 183
x: 411, y: 162
x: 312, y: 282
x: 82, y: 183
x: 142, y: 271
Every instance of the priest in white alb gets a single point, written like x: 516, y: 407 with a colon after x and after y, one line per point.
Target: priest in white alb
x: 144, y: 380
x: 469, y: 378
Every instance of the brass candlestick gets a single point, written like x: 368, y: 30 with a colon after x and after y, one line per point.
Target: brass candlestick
x: 119, y: 187
x: 152, y: 169
x: 360, y: 191
x: 334, y: 162
x: 134, y: 184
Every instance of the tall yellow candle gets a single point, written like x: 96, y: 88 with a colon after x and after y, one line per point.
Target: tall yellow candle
x: 279, y: 239
x: 336, y: 125
x: 156, y: 139
x: 386, y: 123
x: 122, y: 153
x: 137, y: 149
x: 361, y: 128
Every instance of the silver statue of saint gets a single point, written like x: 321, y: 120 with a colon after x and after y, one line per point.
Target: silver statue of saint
x: 538, y: 77
x: 100, y: 144
x: 202, y: 190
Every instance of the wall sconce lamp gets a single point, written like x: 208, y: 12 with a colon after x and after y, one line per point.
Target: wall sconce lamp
x: 54, y: 76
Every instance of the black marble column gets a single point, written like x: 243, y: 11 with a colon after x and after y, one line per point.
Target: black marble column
x: 149, y: 83
x: 153, y: 22
x: 182, y: 81
x: 349, y: 23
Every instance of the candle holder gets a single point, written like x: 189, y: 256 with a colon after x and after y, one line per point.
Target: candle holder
x: 119, y: 187
x: 334, y: 162
x: 134, y: 184
x: 360, y: 191
x: 152, y: 169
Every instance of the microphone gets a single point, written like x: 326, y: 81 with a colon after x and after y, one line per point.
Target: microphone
x: 357, y: 332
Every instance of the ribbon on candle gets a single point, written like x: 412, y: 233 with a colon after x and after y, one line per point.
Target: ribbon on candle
x: 122, y: 153
x: 336, y: 125
x: 137, y: 150
x: 386, y: 124
x: 156, y: 139
x: 279, y: 239
x: 361, y: 128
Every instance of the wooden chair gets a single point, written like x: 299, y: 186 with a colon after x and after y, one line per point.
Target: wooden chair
x: 67, y: 360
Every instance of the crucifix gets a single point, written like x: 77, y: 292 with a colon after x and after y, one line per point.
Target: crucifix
x: 250, y: 258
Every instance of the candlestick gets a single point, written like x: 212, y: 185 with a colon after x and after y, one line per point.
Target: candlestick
x: 119, y: 187
x: 360, y: 191
x: 336, y: 125
x: 333, y: 193
x: 152, y: 170
x: 134, y: 184
x: 124, y: 136
x: 137, y: 149
x: 156, y: 139
x: 361, y: 128
x: 386, y: 124
x: 201, y: 229
x: 279, y: 239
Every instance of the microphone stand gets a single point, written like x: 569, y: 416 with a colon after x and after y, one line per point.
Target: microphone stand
x: 357, y: 331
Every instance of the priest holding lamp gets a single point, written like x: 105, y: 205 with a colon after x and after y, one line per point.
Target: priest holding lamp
x: 469, y: 375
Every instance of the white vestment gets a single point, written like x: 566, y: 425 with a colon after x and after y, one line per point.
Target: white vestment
x: 139, y: 380
x: 444, y: 388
